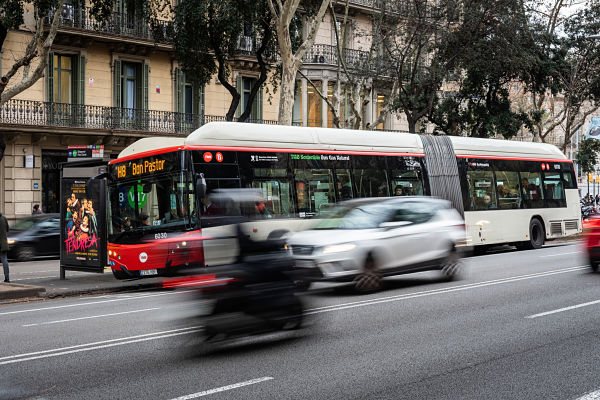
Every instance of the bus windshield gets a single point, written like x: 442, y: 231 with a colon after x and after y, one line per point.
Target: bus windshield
x: 151, y: 203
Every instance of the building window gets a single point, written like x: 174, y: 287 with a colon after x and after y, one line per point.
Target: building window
x: 65, y: 78
x: 314, y: 105
x: 245, y: 86
x: 189, y: 101
x: 131, y: 85
x: 330, y: 92
x: 128, y: 86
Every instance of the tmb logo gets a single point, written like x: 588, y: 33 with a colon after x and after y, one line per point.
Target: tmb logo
x: 207, y: 156
x: 143, y: 257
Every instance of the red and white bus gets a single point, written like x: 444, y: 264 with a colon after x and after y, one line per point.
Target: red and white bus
x: 509, y: 192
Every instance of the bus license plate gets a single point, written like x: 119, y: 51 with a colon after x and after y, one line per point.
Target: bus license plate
x: 146, y: 272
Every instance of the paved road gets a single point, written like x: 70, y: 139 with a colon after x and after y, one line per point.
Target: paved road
x: 520, y: 325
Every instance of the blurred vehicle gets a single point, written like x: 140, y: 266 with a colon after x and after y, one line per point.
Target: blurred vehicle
x: 253, y: 296
x: 587, y: 209
x: 364, y: 240
x: 591, y: 240
x: 38, y: 235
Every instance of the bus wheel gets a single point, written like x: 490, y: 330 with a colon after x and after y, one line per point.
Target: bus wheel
x: 536, y: 234
x: 120, y: 274
x: 370, y: 279
x: 594, y: 264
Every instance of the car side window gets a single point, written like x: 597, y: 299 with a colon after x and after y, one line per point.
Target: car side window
x: 49, y: 224
x: 415, y: 213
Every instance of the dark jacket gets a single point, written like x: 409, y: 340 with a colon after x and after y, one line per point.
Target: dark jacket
x: 3, y: 234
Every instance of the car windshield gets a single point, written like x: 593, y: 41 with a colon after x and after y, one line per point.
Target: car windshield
x: 362, y: 216
x: 23, y: 224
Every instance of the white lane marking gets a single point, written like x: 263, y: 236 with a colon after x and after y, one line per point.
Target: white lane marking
x: 590, y: 396
x: 224, y: 388
x: 96, y: 345
x: 337, y: 307
x: 564, y: 309
x: 92, y: 316
x: 89, y: 303
x: 561, y: 254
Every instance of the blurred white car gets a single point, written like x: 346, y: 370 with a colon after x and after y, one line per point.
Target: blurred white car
x: 366, y: 239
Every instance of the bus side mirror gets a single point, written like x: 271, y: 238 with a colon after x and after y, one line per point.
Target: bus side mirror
x: 200, y: 185
x: 88, y: 184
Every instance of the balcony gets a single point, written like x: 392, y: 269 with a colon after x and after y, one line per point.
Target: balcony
x: 128, y: 25
x: 27, y: 113
x: 354, y: 59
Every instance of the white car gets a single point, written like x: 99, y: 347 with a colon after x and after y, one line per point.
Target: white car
x: 364, y: 240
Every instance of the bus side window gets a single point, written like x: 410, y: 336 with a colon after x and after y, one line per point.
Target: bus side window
x: 507, y: 187
x: 344, y: 184
x: 314, y: 190
x: 371, y: 183
x: 554, y: 191
x: 481, y: 188
x: 531, y: 189
x: 406, y: 183
x: 276, y: 189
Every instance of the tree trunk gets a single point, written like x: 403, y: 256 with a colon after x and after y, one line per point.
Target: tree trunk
x: 286, y: 93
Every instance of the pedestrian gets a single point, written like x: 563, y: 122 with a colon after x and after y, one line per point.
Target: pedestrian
x: 4, y: 246
x: 36, y: 210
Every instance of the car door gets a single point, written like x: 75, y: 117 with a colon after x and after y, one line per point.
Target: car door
x: 48, y: 236
x: 411, y: 240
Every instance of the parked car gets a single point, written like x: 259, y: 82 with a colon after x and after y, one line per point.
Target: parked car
x: 38, y: 235
x: 366, y: 239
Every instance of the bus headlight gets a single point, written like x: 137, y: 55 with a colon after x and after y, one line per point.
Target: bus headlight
x: 338, y: 248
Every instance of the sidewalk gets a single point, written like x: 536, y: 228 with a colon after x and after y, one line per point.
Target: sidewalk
x: 43, y: 282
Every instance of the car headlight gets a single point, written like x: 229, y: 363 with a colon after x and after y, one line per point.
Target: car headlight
x: 338, y: 248
x: 11, y: 241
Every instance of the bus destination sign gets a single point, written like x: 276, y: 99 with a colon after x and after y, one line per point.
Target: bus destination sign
x: 136, y: 168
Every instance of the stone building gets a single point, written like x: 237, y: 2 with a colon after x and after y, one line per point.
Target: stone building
x: 108, y: 85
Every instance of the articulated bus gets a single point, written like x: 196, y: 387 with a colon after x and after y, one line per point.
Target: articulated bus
x: 509, y: 192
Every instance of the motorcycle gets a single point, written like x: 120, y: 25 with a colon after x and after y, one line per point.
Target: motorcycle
x: 587, y: 210
x: 256, y: 295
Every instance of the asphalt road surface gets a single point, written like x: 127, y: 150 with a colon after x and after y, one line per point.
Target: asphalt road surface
x: 520, y: 325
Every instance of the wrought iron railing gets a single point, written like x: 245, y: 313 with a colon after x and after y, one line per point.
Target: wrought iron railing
x: 47, y: 114
x: 117, y: 24
x: 354, y: 59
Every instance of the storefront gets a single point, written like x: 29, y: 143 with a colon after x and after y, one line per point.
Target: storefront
x: 51, y: 160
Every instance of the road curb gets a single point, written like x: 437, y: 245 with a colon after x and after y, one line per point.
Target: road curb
x: 12, y: 291
x: 90, y: 291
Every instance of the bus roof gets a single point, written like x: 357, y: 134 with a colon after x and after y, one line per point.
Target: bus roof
x: 259, y: 136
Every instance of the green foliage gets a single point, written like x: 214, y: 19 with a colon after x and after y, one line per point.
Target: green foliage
x: 587, y: 156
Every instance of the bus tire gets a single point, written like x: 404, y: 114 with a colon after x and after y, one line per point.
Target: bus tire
x: 536, y: 234
x: 120, y: 275
x: 594, y: 264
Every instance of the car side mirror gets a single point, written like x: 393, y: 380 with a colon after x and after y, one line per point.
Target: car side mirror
x: 394, y: 224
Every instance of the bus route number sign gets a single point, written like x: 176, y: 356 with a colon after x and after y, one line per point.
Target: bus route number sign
x: 136, y: 168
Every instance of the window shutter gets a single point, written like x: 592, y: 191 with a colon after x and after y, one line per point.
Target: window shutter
x: 50, y: 77
x: 145, y: 84
x: 80, y: 79
x: 179, y: 90
x: 117, y: 84
x: 240, y: 89
x: 200, y: 101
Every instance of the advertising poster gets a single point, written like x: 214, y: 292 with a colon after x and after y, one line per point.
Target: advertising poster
x: 594, y: 129
x: 82, y: 239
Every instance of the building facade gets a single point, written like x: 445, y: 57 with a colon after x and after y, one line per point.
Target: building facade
x: 111, y: 84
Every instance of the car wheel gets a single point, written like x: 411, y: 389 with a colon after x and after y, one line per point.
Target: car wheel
x: 370, y: 279
x: 25, y: 253
x: 452, y: 266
